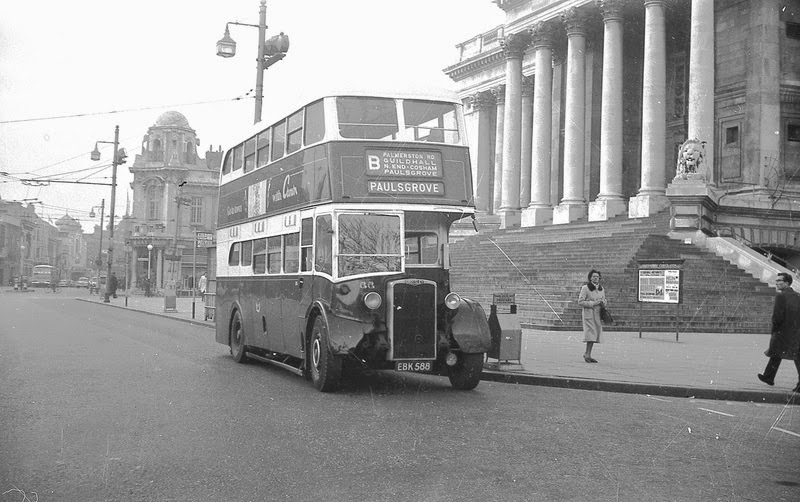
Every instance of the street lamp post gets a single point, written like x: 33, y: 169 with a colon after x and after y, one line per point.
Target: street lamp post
x: 21, y: 262
x: 99, y: 261
x: 269, y: 52
x: 119, y: 158
x: 149, y: 255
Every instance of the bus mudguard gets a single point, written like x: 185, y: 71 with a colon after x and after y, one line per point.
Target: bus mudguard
x: 471, y: 328
x: 344, y: 334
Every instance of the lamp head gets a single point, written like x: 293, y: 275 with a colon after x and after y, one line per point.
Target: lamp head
x: 226, y: 47
x: 96, y: 153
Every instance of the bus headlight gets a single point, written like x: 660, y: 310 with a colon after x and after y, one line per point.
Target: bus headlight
x: 373, y: 300
x: 451, y: 359
x: 452, y: 301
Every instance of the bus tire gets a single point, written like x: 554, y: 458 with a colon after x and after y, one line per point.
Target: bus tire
x: 325, y: 368
x: 237, y: 338
x: 466, y: 374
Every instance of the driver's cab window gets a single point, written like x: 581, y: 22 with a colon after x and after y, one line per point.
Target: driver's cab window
x: 323, y: 245
x: 422, y: 243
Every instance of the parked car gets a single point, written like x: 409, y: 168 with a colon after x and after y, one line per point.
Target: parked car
x: 97, y: 284
x: 63, y: 283
x: 83, y: 282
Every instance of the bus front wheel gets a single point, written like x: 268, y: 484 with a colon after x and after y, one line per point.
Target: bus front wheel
x: 466, y: 374
x: 326, y: 368
x: 237, y: 339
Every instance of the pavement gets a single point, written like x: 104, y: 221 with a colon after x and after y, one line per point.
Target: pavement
x: 720, y: 366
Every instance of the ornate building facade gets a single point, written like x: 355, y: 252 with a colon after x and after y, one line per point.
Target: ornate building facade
x: 174, y: 197
x: 590, y: 109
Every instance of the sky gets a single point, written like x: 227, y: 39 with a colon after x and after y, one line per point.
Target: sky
x: 72, y: 71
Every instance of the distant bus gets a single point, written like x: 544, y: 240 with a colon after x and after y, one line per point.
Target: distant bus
x: 332, y: 240
x: 44, y: 276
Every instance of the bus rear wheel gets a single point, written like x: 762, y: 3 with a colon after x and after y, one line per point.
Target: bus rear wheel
x: 466, y: 374
x: 237, y: 339
x: 326, y: 368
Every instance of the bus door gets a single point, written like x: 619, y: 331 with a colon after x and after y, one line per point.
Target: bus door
x: 296, y: 291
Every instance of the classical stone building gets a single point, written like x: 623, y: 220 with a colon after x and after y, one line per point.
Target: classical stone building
x: 591, y: 109
x: 174, y: 196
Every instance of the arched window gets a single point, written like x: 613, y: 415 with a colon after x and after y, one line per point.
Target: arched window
x: 190, y: 156
x: 157, y: 154
x: 153, y: 194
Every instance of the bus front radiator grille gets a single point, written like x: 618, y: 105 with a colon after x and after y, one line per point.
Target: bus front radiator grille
x: 412, y: 319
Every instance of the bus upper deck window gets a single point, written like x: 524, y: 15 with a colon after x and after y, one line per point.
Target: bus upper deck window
x: 294, y: 132
x: 226, y: 165
x: 262, y: 155
x: 237, y: 157
x: 367, y: 118
x: 431, y: 121
x: 314, y: 128
x: 249, y: 155
x: 278, y: 139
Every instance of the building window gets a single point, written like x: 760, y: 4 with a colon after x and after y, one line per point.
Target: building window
x: 197, y: 210
x: 153, y: 206
x: 793, y: 30
x: 793, y: 132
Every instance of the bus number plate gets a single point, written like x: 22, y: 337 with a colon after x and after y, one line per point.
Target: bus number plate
x: 413, y: 366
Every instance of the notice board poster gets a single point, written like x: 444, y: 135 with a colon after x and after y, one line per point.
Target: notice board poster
x: 659, y: 286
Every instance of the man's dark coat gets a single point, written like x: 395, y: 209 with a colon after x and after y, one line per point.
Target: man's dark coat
x: 785, y: 340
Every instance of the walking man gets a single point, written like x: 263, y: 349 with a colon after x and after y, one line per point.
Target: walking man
x: 785, y: 340
x: 113, y: 284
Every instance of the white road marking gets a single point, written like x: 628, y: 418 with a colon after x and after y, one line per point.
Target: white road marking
x: 787, y: 432
x: 717, y: 412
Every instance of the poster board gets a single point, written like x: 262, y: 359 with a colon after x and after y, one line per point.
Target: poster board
x: 660, y: 286
x: 660, y: 281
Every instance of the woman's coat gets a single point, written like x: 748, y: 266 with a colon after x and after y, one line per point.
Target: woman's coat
x: 588, y: 299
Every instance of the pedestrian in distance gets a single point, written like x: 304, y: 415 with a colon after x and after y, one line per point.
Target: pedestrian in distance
x: 202, y: 285
x: 146, y: 282
x: 591, y: 298
x: 112, y: 285
x: 785, y: 340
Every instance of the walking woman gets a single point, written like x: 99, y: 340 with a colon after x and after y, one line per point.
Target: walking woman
x: 591, y: 297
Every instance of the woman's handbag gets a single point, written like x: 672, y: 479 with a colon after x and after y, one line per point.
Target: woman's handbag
x: 605, y: 316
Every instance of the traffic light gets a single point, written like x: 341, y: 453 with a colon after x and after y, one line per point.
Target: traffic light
x: 122, y: 156
x: 278, y: 44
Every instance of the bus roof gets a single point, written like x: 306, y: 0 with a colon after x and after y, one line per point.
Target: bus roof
x: 283, y: 108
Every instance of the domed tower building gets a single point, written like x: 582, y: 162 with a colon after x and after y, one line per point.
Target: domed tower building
x: 174, y: 197
x: 73, y: 257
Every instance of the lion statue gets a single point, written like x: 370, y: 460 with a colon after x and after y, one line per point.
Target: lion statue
x: 690, y: 157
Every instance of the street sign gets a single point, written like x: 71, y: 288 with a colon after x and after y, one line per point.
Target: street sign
x: 204, y: 239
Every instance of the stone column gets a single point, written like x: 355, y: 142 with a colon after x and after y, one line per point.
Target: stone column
x: 573, y: 205
x: 481, y: 147
x: 527, y: 131
x: 159, y: 269
x: 499, y: 94
x: 513, y: 48
x: 610, y: 201
x: 763, y: 108
x: 540, y: 210
x: 701, y: 81
x: 651, y: 197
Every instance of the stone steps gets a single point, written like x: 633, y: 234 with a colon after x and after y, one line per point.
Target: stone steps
x: 546, y: 266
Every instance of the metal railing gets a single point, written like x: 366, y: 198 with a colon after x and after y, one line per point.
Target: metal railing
x: 730, y: 232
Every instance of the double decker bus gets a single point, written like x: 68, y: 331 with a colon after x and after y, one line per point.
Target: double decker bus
x: 332, y: 241
x: 44, y: 276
